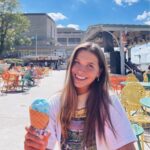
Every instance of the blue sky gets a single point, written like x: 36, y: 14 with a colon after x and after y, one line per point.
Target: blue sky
x: 82, y: 13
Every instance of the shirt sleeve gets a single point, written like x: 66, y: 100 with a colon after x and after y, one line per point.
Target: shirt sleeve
x: 124, y: 133
x: 53, y: 127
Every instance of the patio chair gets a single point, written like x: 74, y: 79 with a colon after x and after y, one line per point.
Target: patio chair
x: 10, y: 82
x: 39, y: 72
x: 115, y: 83
x: 131, y: 78
x: 46, y: 71
x: 145, y: 77
x: 27, y: 81
x: 130, y: 98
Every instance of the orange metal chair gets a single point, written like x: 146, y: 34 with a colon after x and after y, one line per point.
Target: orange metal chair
x: 115, y: 83
x: 10, y: 82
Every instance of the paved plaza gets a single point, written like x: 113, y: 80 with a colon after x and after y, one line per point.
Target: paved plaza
x: 14, y: 110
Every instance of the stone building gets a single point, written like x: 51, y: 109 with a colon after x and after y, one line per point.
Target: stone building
x: 42, y: 32
x: 67, y: 39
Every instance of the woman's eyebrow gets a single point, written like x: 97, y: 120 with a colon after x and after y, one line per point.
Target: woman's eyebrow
x: 91, y: 63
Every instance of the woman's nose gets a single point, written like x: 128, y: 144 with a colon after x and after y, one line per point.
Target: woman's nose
x: 82, y: 68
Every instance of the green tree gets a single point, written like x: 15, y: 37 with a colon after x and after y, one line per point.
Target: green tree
x: 13, y: 25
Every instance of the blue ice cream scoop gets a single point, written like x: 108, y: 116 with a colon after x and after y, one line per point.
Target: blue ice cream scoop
x: 41, y: 105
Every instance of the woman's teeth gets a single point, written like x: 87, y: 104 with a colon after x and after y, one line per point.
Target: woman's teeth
x: 80, y: 77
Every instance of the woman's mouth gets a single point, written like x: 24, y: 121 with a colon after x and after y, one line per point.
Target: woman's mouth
x: 78, y: 77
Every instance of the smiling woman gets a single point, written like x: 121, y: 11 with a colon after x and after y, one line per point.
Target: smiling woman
x: 84, y: 71
x: 85, y: 115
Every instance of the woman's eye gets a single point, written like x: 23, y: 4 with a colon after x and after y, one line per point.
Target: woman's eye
x: 90, y: 66
x: 76, y: 62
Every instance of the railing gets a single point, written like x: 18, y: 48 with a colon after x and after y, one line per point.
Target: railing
x: 129, y: 68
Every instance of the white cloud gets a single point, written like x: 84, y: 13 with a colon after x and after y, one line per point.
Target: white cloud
x: 118, y: 2
x: 75, y: 26
x: 57, y: 16
x: 145, y: 17
x: 60, y: 26
x: 128, y: 2
x: 147, y: 22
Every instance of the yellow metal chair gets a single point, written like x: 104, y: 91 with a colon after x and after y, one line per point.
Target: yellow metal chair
x: 130, y: 98
x: 131, y: 78
x: 145, y: 77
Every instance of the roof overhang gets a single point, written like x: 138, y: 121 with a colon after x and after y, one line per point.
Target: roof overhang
x: 134, y: 34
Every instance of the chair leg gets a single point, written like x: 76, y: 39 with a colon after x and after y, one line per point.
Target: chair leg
x: 142, y: 141
x: 138, y: 142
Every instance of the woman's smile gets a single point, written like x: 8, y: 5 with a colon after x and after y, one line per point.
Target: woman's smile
x: 80, y: 78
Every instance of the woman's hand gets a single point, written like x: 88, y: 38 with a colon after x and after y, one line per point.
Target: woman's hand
x: 35, y: 142
x: 129, y: 146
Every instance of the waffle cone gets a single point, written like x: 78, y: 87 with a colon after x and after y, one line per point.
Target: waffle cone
x: 38, y: 120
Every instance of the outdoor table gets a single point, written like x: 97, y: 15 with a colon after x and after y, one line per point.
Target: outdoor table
x: 146, y: 85
x: 145, y: 102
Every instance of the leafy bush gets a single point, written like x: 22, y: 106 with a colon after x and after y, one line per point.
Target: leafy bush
x: 14, y: 60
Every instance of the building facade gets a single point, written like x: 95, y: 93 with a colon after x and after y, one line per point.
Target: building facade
x: 67, y: 39
x: 42, y: 32
x: 47, y: 39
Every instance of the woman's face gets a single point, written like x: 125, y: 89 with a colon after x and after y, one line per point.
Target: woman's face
x: 85, y: 70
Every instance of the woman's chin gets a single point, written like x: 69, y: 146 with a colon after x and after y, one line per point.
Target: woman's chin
x: 81, y: 90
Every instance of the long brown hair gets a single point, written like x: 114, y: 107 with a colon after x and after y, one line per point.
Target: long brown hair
x: 98, y: 100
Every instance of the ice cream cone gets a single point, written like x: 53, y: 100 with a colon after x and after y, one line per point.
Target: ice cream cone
x: 38, y: 120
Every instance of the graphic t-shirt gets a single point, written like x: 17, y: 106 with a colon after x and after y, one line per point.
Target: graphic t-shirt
x: 75, y: 134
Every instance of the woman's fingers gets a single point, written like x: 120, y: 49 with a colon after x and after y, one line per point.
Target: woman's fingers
x: 33, y: 141
x: 31, y: 130
x: 33, y: 145
x: 34, y: 138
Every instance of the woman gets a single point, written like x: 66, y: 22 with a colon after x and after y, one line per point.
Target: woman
x: 85, y: 115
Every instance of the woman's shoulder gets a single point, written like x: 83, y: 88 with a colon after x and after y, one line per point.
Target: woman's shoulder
x: 54, y: 105
x: 54, y: 100
x: 115, y: 102
x: 113, y: 97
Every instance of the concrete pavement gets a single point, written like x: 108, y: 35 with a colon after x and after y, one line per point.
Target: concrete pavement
x: 14, y: 114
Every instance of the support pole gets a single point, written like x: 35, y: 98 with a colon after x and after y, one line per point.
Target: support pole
x: 122, y: 55
x: 36, y: 44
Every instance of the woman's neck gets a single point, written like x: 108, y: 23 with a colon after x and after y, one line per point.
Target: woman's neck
x: 82, y: 91
x: 82, y: 98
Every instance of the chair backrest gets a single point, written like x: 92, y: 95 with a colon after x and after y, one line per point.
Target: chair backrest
x: 132, y: 93
x: 13, y: 78
x: 145, y: 77
x: 116, y: 80
x: 5, y: 76
x: 131, y: 78
x: 148, y: 77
